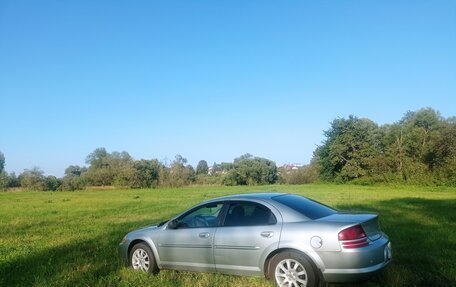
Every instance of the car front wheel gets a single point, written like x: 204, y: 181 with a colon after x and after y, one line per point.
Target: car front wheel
x: 292, y: 269
x: 142, y: 258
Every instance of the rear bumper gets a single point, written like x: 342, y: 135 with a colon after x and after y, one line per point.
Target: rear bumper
x: 349, y: 275
x: 355, y: 265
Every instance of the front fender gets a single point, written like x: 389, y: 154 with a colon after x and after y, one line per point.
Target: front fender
x: 149, y: 242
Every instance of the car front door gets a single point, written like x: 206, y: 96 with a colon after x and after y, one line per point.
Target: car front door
x: 249, y: 231
x: 189, y: 244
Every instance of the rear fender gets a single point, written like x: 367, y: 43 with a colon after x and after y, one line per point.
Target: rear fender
x: 306, y: 250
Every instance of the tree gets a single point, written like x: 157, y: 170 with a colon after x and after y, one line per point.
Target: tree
x: 75, y: 170
x: 250, y: 170
x: 147, y: 173
x: 52, y: 183
x: 303, y: 175
x: 410, y: 147
x: 420, y: 129
x: 74, y: 179
x: 178, y: 174
x: 178, y: 159
x: 349, y: 148
x: 202, y: 167
x: 420, y: 148
x: 225, y: 167
x: 109, y: 168
x: 13, y: 180
x: 190, y: 173
x: 4, y: 179
x: 33, y: 179
x: 72, y: 183
x: 2, y: 162
x: 97, y: 158
x: 445, y: 154
x: 215, y: 169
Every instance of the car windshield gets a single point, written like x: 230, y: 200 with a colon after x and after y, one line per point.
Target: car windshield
x: 305, y: 206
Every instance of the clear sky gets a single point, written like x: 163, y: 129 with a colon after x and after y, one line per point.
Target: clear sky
x: 212, y: 79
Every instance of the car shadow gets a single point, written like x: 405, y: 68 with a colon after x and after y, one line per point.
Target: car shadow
x: 423, y: 236
x: 78, y: 263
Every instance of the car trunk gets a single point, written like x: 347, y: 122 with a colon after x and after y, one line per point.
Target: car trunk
x: 368, y: 221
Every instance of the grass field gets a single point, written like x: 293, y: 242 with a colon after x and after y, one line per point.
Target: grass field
x: 71, y: 238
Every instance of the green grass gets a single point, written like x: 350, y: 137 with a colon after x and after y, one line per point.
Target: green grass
x: 71, y: 238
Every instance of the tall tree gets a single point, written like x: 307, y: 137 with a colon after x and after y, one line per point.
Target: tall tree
x: 349, y: 148
x: 97, y: 158
x: 4, y: 179
x: 202, y: 167
x: 2, y: 162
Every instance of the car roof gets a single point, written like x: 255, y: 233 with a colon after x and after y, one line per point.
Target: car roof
x: 287, y: 213
x: 256, y: 195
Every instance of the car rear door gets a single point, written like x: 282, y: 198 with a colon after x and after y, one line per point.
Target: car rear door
x: 250, y: 230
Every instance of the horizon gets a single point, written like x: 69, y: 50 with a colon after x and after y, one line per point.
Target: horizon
x: 212, y: 81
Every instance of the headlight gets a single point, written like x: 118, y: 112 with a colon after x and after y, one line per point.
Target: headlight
x: 124, y: 240
x: 388, y: 252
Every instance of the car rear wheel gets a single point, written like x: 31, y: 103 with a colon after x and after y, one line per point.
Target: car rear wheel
x: 292, y: 269
x: 142, y: 258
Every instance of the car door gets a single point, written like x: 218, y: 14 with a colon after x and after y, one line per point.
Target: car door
x: 189, y: 245
x: 250, y: 231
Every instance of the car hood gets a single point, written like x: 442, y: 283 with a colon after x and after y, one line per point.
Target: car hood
x: 145, y: 229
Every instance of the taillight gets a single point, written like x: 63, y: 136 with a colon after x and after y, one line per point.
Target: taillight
x: 353, y: 237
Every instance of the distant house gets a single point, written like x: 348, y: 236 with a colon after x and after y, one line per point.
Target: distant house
x: 220, y: 169
x: 292, y: 166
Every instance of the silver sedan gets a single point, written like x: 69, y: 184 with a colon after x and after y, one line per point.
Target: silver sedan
x: 290, y: 239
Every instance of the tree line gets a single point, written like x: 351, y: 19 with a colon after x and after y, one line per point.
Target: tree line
x: 121, y: 170
x: 420, y: 148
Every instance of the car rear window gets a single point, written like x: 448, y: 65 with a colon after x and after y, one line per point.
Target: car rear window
x: 305, y: 206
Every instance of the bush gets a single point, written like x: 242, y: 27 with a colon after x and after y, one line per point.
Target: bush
x: 306, y: 174
x: 205, y: 179
x: 72, y: 183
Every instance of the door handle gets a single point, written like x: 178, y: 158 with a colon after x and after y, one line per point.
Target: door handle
x: 267, y: 234
x: 204, y: 235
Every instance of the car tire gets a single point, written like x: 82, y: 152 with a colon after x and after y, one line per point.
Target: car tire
x: 142, y: 258
x: 292, y: 267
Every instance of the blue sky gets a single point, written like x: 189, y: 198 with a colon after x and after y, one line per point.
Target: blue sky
x: 212, y: 79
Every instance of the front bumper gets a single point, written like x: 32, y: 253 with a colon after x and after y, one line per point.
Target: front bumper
x: 123, y: 250
x: 355, y: 265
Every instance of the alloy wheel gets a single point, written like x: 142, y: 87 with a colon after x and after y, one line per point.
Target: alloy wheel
x: 290, y: 273
x: 140, y: 260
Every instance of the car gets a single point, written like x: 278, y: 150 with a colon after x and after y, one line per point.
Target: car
x: 290, y: 239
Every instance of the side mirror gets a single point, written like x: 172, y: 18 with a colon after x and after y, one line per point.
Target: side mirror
x: 173, y: 224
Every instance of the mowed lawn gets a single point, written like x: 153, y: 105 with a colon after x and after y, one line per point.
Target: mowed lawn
x: 71, y: 238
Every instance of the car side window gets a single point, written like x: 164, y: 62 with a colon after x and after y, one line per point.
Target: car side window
x: 249, y: 214
x: 204, y: 216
